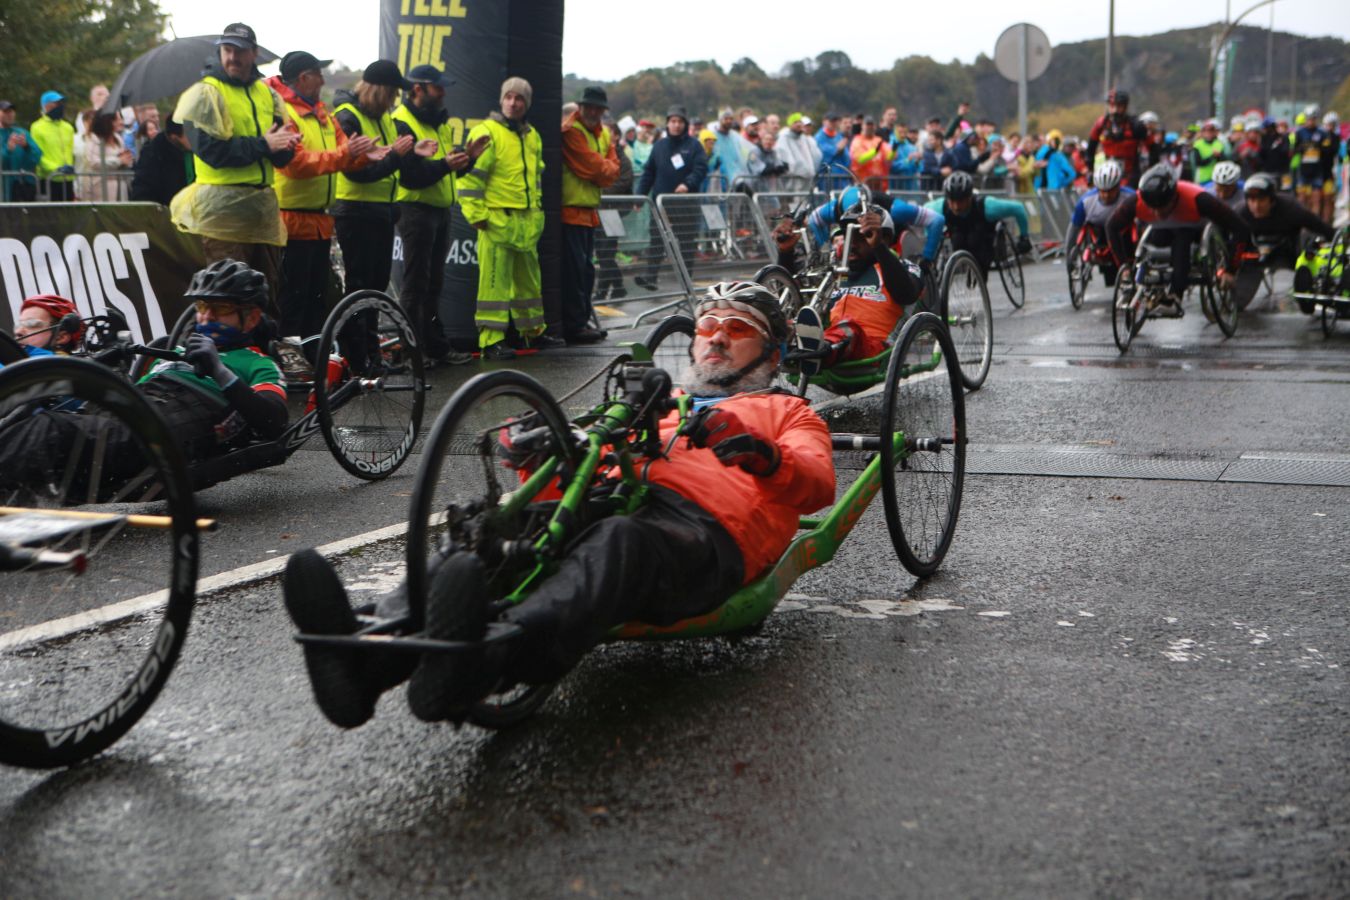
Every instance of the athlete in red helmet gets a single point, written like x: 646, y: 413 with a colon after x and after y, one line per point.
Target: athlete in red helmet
x: 42, y: 325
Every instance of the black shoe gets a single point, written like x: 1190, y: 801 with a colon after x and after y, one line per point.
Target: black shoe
x: 547, y: 342
x: 318, y: 604
x: 497, y: 352
x: 586, y: 336
x: 643, y: 281
x: 618, y: 293
x: 446, y: 684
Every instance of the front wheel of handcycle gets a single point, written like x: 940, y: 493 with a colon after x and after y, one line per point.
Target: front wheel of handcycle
x: 923, y: 444
x: 784, y: 286
x: 671, y: 344
x: 371, y: 391
x: 1010, y: 268
x: 98, y: 556
x: 969, y: 317
x: 469, y: 496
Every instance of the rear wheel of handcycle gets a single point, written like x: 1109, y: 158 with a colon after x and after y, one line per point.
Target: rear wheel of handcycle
x: 1126, y: 320
x: 1222, y: 300
x: 921, y: 481
x: 780, y: 281
x: 98, y: 556
x: 1080, y: 274
x: 671, y: 344
x: 457, y: 502
x: 1010, y: 268
x: 969, y: 317
x: 370, y: 402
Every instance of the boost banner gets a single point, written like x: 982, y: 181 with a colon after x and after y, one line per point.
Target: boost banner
x: 123, y: 256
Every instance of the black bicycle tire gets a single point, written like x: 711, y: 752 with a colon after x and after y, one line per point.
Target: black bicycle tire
x: 74, y: 742
x: 922, y: 567
x: 1123, y: 328
x: 1222, y: 301
x: 776, y: 278
x: 670, y: 325
x: 1080, y: 274
x: 1008, y: 261
x: 1329, y: 316
x: 964, y: 258
x: 356, y: 302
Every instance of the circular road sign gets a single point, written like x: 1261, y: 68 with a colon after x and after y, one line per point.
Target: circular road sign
x: 1007, y: 52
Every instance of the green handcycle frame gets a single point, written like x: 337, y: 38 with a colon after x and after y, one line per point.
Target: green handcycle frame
x: 617, y: 435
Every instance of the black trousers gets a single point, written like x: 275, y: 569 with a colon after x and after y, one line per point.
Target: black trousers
x: 668, y: 561
x: 425, y: 232
x: 304, y: 276
x: 367, y: 258
x: 578, y: 278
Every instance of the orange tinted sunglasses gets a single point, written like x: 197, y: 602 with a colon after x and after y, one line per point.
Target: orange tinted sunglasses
x: 736, y: 327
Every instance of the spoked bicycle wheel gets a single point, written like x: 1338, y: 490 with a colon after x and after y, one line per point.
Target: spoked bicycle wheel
x: 671, y: 344
x: 98, y: 556
x: 370, y: 396
x: 924, y: 411
x: 1080, y: 273
x: 784, y: 286
x: 496, y: 427
x: 1222, y: 300
x: 969, y: 317
x: 1127, y: 314
x: 1009, y: 266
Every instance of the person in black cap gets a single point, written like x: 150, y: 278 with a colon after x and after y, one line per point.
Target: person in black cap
x: 590, y: 164
x: 677, y: 165
x: 426, y: 193
x: 18, y: 153
x: 365, y: 211
x: 231, y: 206
x: 306, y: 187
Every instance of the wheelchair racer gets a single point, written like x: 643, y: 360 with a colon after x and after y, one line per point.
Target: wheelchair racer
x: 225, y: 390
x: 1094, y: 208
x: 723, y: 507
x: 971, y: 219
x: 1178, y: 212
x: 1276, y: 222
x: 870, y: 300
x: 1227, y: 184
x: 43, y: 327
x: 904, y: 215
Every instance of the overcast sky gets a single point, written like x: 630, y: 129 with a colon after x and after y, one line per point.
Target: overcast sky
x: 608, y: 40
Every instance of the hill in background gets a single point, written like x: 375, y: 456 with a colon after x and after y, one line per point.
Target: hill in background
x: 1164, y: 72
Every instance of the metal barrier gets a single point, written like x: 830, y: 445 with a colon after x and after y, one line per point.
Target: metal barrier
x: 1056, y: 209
x: 636, y: 258
x: 22, y: 186
x: 719, y: 236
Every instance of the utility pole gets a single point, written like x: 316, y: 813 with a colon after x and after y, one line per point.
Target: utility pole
x: 1110, y: 44
x: 1270, y: 58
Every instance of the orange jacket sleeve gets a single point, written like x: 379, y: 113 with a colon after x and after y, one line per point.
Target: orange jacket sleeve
x: 805, y: 478
x: 584, y: 162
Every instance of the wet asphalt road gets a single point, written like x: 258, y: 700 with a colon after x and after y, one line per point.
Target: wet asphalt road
x: 1114, y: 687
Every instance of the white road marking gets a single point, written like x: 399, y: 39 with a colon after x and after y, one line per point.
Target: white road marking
x: 125, y: 609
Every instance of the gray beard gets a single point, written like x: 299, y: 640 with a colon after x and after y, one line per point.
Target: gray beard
x: 701, y: 379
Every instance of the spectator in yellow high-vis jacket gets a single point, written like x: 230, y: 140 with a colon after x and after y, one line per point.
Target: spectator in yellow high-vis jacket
x: 500, y: 196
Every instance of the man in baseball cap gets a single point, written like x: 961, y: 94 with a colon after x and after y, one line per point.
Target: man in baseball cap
x: 429, y: 74
x: 55, y: 137
x: 238, y: 35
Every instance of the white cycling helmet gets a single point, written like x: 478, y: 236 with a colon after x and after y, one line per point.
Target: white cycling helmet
x: 1331, y: 120
x: 1227, y: 172
x: 1149, y: 117
x: 1108, y: 175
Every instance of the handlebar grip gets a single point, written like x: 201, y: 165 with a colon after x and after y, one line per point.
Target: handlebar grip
x: 158, y: 352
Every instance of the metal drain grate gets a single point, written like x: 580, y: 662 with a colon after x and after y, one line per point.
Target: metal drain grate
x: 1323, y: 470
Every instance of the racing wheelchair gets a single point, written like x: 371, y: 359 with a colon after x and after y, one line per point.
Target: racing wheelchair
x: 1090, y: 251
x: 521, y: 522
x: 1322, y: 280
x: 99, y: 554
x: 1137, y: 299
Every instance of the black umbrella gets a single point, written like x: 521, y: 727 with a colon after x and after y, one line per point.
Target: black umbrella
x: 167, y: 70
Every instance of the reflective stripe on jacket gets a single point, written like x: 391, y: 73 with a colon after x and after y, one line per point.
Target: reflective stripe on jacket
x: 508, y: 174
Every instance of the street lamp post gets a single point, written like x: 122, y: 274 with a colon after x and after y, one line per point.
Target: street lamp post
x: 1223, y: 39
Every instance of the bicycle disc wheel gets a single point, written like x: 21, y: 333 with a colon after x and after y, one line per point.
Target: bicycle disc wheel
x: 780, y: 281
x: 921, y: 482
x: 98, y: 552
x: 1126, y: 317
x: 370, y: 397
x: 671, y: 344
x: 457, y: 502
x: 1010, y: 270
x: 969, y: 317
